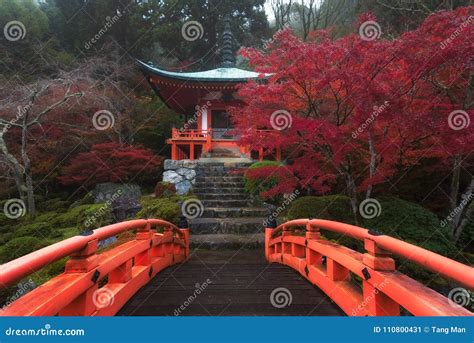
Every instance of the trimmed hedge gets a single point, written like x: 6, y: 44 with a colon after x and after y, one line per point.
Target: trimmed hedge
x: 162, y: 208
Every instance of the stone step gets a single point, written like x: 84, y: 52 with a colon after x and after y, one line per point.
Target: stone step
x: 234, y: 212
x: 220, y: 171
x: 225, y: 203
x: 224, y: 241
x: 237, y: 179
x: 198, y: 189
x: 222, y: 196
x: 201, y: 226
x: 223, y: 184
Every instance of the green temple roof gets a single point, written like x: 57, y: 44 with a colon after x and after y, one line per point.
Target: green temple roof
x: 227, y: 74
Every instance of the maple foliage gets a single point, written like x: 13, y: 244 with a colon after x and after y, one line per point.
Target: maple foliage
x: 361, y: 111
x: 110, y: 162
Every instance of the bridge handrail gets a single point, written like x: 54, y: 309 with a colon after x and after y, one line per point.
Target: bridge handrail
x: 23, y: 266
x: 445, y: 266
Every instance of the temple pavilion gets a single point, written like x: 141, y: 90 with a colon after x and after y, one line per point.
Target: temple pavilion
x: 203, y: 98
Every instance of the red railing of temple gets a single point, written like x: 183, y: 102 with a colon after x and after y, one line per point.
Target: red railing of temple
x: 184, y: 142
x: 120, y: 271
x: 335, y: 268
x: 194, y: 134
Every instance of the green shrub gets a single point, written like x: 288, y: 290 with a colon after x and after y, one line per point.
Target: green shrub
x: 85, y: 217
x: 258, y: 185
x: 20, y: 246
x: 332, y: 207
x: 161, y: 208
x: 53, y: 205
x: 36, y: 229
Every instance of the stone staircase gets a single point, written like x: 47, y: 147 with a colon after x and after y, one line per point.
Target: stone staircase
x: 228, y: 209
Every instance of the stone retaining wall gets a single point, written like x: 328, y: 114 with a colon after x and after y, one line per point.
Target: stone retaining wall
x: 181, y: 173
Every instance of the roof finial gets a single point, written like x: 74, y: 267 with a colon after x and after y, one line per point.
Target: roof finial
x: 227, y: 53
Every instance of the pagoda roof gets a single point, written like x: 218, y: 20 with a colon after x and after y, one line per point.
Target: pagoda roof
x: 227, y: 74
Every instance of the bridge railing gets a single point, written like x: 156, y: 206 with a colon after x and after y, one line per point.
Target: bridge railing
x: 335, y: 268
x: 96, y: 283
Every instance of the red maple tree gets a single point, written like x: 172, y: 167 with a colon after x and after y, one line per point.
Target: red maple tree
x: 360, y: 111
x: 111, y: 162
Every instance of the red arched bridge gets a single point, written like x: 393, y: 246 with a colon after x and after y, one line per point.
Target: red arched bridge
x: 347, y: 281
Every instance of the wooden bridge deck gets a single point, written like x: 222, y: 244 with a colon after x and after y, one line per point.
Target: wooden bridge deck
x: 241, y: 284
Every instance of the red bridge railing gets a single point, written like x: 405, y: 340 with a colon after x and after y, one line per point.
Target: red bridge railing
x: 331, y: 267
x: 96, y: 283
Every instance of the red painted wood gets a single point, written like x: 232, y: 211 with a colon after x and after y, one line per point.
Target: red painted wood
x: 384, y: 289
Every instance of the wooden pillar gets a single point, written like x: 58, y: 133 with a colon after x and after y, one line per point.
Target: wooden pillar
x: 174, y: 151
x: 191, y: 151
x: 378, y: 304
x: 268, y: 235
x: 260, y: 154
x: 312, y: 257
x: 278, y: 154
x: 83, y: 262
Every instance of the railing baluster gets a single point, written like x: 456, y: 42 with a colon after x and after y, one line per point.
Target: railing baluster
x: 378, y: 304
x: 82, y: 261
x: 312, y: 257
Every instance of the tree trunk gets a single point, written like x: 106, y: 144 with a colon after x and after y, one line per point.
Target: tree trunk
x: 352, y: 191
x: 27, y: 177
x: 466, y: 207
x: 373, y: 165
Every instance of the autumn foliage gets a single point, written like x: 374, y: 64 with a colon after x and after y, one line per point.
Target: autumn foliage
x: 111, y: 162
x: 361, y: 111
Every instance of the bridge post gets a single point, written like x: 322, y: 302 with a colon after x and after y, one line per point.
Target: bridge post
x: 268, y: 235
x: 82, y: 261
x: 312, y: 257
x: 378, y: 304
x: 145, y: 233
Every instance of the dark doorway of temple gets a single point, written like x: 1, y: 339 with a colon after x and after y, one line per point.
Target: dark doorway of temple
x: 221, y: 125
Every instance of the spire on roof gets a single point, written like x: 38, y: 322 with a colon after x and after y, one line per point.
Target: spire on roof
x: 227, y: 50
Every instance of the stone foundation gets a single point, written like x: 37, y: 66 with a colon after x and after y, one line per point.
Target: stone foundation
x: 181, y: 173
